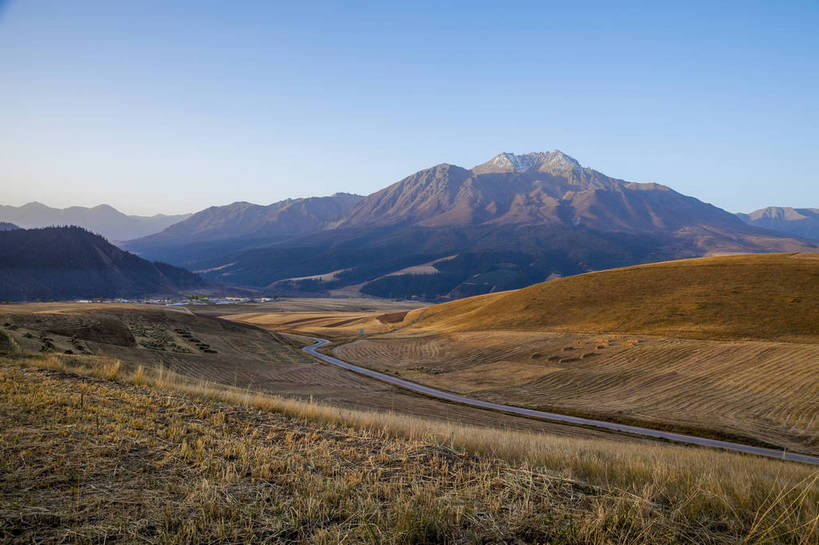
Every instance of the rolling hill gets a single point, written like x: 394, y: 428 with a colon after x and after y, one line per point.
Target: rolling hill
x: 770, y: 296
x: 721, y: 346
x: 515, y: 220
x: 104, y: 220
x: 5, y: 226
x: 801, y: 222
x: 70, y: 262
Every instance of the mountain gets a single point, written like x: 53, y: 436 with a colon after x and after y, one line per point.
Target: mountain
x: 104, y: 220
x: 535, y: 189
x: 242, y: 225
x: 5, y: 226
x: 512, y: 221
x: 801, y: 222
x: 70, y: 262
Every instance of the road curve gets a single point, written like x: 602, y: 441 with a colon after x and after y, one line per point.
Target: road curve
x: 602, y: 424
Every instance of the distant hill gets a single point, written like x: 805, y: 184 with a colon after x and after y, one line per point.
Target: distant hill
x: 70, y: 262
x: 512, y: 221
x: 5, y: 226
x: 242, y: 224
x: 802, y: 222
x: 104, y: 220
x: 771, y: 296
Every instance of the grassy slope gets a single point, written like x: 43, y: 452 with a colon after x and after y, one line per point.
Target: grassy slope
x: 246, y: 356
x: 748, y: 391
x: 769, y: 296
x: 758, y: 390
x: 94, y: 451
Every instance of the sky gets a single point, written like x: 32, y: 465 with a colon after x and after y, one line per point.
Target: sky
x: 156, y: 106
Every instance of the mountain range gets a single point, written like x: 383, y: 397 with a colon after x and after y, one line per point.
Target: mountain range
x: 104, y: 220
x: 801, y: 222
x: 70, y: 262
x: 221, y: 229
x: 448, y: 231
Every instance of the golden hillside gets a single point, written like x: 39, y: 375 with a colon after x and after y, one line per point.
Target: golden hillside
x: 767, y: 296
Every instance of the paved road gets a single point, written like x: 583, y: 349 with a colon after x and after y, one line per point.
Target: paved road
x: 635, y: 430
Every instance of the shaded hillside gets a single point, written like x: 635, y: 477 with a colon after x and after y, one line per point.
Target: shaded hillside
x: 507, y: 223
x: 802, y: 222
x: 5, y: 226
x: 222, y: 229
x: 104, y: 220
x: 486, y: 258
x: 70, y: 262
x: 749, y: 296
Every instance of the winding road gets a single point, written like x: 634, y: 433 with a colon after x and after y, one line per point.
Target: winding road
x: 531, y: 413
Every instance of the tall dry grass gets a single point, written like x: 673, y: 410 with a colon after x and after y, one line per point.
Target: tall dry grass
x: 761, y: 500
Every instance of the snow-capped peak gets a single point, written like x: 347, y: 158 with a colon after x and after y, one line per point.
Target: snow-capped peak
x: 554, y: 160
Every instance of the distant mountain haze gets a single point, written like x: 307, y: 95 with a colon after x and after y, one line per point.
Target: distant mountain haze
x: 802, y: 222
x: 104, y: 220
x: 447, y: 231
x: 243, y: 224
x: 70, y: 262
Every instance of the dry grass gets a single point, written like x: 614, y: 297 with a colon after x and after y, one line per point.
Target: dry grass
x: 94, y: 450
x: 247, y: 357
x: 748, y: 390
x: 765, y: 297
x: 724, y: 346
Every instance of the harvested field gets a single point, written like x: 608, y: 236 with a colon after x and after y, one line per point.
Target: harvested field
x: 324, y: 324
x: 725, y: 347
x: 763, y: 391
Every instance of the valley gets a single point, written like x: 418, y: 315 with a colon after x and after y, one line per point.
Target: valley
x: 401, y: 273
x: 218, y: 405
x: 672, y: 346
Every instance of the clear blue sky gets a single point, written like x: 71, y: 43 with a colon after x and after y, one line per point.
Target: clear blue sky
x: 157, y: 106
